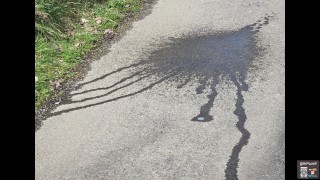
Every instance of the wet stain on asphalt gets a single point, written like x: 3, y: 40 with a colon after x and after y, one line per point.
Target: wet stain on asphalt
x: 205, y: 58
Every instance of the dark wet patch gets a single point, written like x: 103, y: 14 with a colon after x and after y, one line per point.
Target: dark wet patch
x: 232, y: 164
x: 205, y: 58
x: 231, y: 172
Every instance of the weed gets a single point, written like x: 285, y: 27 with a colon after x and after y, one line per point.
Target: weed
x: 65, y: 31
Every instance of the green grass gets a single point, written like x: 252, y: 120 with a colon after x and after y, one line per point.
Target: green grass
x: 61, y: 41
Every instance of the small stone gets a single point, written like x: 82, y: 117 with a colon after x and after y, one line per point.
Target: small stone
x: 83, y: 21
x: 200, y: 118
x: 95, y: 31
x: 77, y: 44
x: 108, y: 33
x: 98, y: 20
x: 57, y: 84
x: 69, y: 32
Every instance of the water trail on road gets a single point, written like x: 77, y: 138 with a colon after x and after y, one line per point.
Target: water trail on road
x: 232, y: 164
x: 205, y: 109
x: 231, y: 172
x: 114, y: 99
x: 205, y: 58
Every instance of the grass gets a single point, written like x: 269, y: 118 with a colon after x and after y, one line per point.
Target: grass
x: 65, y: 31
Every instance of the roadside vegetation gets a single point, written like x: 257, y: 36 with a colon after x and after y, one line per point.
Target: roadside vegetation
x: 65, y: 30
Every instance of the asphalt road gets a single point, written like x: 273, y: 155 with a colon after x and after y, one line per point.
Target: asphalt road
x: 195, y: 90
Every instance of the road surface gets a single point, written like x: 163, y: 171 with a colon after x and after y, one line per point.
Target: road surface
x: 195, y: 90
